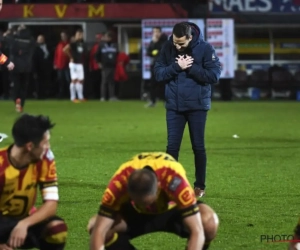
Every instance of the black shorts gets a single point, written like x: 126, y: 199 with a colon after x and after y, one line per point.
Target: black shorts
x: 34, y: 233
x: 140, y: 224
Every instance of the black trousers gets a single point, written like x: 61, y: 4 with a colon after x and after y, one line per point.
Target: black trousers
x: 63, y: 78
x: 196, y: 120
x: 20, y: 81
x: 153, y: 87
x: 108, y: 82
x: 94, y: 84
x: 139, y: 224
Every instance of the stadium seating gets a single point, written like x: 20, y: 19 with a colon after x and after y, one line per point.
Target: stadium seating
x: 281, y: 84
x: 240, y: 83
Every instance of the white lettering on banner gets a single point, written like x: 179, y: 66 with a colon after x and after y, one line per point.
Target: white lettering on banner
x: 268, y: 6
x: 249, y: 5
x: 221, y: 37
x: 244, y: 5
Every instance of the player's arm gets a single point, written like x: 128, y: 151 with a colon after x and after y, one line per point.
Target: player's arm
x: 49, y: 190
x: 105, y: 219
x: 112, y: 199
x: 67, y: 51
x: 194, y: 225
x: 47, y: 210
x: 183, y: 194
x: 102, y: 226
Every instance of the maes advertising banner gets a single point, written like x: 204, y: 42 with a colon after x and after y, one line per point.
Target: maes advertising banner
x: 220, y: 34
x: 167, y: 27
x: 255, y: 6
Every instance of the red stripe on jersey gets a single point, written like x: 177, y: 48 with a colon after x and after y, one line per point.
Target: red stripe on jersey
x: 4, y: 164
x: 21, y: 177
x: 2, y: 181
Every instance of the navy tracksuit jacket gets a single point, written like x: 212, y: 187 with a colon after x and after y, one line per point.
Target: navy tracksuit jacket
x: 188, y: 95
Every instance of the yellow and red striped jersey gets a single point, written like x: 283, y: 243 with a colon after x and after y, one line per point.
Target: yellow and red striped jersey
x: 175, y: 189
x: 18, y: 187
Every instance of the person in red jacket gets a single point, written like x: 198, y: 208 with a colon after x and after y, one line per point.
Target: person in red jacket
x: 120, y: 72
x: 61, y: 64
x: 95, y: 71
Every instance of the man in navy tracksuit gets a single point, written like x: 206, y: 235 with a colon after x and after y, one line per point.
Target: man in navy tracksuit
x: 189, y: 66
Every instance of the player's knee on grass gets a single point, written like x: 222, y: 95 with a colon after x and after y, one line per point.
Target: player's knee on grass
x: 56, y: 232
x: 210, y: 222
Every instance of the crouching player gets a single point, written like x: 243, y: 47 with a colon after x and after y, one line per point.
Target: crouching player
x: 24, y: 165
x: 151, y: 193
x: 295, y: 243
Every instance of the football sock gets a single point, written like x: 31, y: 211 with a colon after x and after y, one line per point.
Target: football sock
x: 79, y: 90
x: 119, y: 241
x: 72, y: 91
x: 55, y: 238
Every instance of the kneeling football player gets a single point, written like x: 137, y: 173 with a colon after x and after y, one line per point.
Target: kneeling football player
x: 24, y: 165
x: 151, y: 193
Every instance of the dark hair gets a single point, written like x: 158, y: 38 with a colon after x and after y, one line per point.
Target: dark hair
x: 156, y: 28
x: 142, y: 182
x: 30, y: 128
x: 182, y: 29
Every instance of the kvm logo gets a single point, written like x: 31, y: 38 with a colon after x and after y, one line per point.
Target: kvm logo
x: 278, y: 238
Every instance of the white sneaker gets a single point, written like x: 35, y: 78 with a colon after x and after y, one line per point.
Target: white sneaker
x: 113, y: 99
x: 150, y: 105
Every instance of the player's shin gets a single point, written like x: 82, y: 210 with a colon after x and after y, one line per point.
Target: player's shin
x: 119, y: 241
x: 79, y: 90
x: 72, y: 91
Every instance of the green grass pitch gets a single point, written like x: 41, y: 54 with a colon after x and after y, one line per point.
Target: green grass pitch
x: 252, y: 181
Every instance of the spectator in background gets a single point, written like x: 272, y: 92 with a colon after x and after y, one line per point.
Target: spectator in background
x: 61, y: 64
x: 4, y: 61
x: 120, y: 72
x: 189, y: 65
x: 42, y: 69
x: 158, y: 40
x: 106, y: 56
x: 21, y: 47
x: 95, y: 71
x: 5, y: 71
x: 76, y: 50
